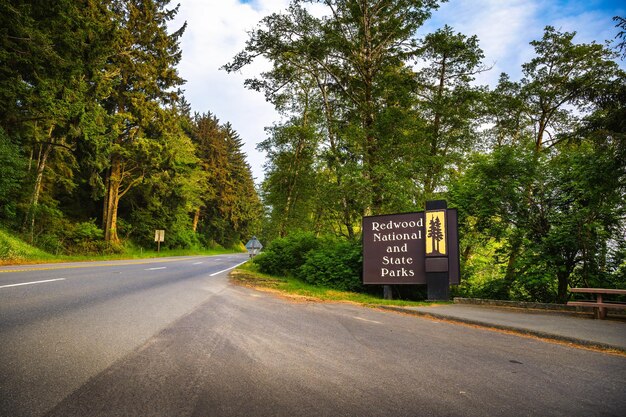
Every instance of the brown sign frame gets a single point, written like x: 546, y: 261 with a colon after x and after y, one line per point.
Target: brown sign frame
x: 394, y: 249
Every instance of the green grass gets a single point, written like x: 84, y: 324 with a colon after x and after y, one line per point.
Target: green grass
x: 15, y: 251
x: 248, y: 275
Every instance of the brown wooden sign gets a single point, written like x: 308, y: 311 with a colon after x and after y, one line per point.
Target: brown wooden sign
x: 393, y: 249
x: 402, y: 248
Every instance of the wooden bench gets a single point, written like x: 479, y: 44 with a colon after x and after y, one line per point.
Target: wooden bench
x: 599, y: 305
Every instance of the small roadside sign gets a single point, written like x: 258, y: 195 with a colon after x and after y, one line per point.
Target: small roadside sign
x: 254, y: 246
x: 159, y: 236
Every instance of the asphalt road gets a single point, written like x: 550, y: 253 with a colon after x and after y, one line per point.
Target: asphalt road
x: 188, y: 344
x: 56, y: 334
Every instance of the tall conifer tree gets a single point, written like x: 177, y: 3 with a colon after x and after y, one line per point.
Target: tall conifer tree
x: 146, y: 80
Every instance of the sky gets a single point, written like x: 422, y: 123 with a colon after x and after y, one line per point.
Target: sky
x: 218, y: 29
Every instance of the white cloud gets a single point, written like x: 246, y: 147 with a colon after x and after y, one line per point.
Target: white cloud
x: 505, y: 28
x: 502, y: 28
x: 216, y: 31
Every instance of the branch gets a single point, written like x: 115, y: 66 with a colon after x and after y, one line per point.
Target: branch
x: 130, y: 185
x: 57, y: 144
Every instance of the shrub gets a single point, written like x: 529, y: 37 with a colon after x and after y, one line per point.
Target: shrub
x: 336, y: 264
x: 319, y: 261
x: 86, y: 231
x: 285, y: 255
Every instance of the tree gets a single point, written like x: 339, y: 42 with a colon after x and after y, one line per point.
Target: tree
x: 562, y: 74
x: 145, y: 81
x: 541, y: 190
x: 50, y: 55
x: 450, y: 104
x: 229, y: 209
x: 356, y: 56
x: 290, y: 184
x: 12, y: 170
x: 507, y: 112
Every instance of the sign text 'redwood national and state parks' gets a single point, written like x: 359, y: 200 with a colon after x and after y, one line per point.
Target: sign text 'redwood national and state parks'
x: 396, y: 247
x: 393, y: 249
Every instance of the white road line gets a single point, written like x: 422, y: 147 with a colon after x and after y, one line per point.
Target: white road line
x: 369, y: 321
x: 227, y: 269
x: 197, y: 263
x: 154, y: 269
x: 32, y: 282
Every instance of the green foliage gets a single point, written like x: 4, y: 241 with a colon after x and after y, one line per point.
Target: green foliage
x: 328, y: 262
x: 97, y: 142
x: 14, y: 250
x: 553, y: 217
x: 93, y: 125
x: 12, y: 172
x: 284, y: 256
x: 334, y: 264
x: 483, y: 269
x: 551, y: 190
x: 291, y: 180
x: 227, y: 207
x: 345, y: 82
x: 86, y: 238
x: 86, y: 231
x: 621, y: 35
x: 60, y: 236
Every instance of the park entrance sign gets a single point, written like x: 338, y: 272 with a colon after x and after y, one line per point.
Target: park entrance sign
x: 413, y: 248
x: 393, y: 249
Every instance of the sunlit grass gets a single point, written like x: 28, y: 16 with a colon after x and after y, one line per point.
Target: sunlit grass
x: 14, y: 251
x: 248, y: 275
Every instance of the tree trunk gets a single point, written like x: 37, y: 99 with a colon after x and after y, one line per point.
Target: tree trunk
x: 105, y: 202
x: 196, y: 219
x: 563, y: 283
x: 370, y: 172
x: 112, y: 200
x: 29, y: 221
x: 541, y: 131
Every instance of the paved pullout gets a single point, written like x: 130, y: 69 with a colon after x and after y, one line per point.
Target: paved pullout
x: 174, y: 339
x: 245, y: 353
x: 580, y: 329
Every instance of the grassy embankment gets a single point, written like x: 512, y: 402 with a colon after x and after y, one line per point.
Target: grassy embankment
x: 248, y: 275
x: 15, y: 251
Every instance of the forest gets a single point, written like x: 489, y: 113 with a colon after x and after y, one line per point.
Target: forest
x: 99, y: 147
